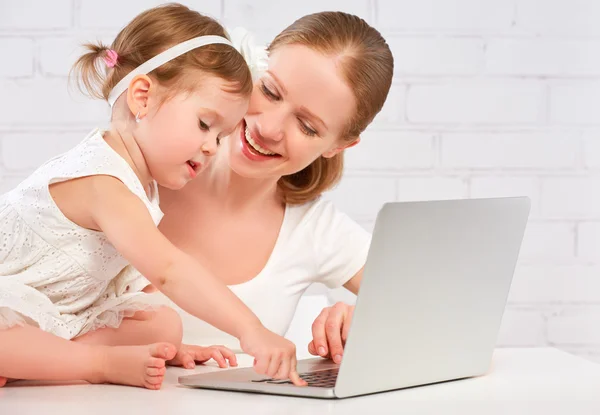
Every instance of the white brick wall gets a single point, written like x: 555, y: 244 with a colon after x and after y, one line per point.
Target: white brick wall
x: 490, y: 98
x: 577, y: 325
x: 20, y: 64
x: 543, y: 57
x: 35, y: 15
x: 574, y: 102
x: 571, y: 197
x: 509, y: 151
x: 588, y: 243
x: 559, y: 17
x: 463, y: 16
x: 591, y: 149
x: 481, y: 102
x: 548, y: 242
x: 432, y: 56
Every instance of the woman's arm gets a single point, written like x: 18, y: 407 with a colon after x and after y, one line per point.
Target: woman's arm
x: 353, y: 284
x: 330, y: 329
x: 341, y: 246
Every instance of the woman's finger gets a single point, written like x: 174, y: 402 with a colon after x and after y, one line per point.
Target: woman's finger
x: 312, y: 349
x: 333, y: 330
x: 318, y: 332
x: 347, y: 324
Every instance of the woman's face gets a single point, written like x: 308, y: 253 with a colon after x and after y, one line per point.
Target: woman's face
x: 297, y: 113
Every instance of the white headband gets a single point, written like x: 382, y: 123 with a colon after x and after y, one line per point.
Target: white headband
x: 162, y: 58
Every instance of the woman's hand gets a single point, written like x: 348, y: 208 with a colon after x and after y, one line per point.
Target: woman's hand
x: 330, y: 332
x: 273, y: 355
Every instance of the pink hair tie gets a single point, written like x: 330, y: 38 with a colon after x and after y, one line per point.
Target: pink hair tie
x: 111, y: 58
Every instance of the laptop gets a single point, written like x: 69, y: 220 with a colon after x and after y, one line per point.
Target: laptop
x: 433, y: 294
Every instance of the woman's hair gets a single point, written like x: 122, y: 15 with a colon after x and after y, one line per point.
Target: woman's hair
x: 149, y: 34
x: 367, y: 66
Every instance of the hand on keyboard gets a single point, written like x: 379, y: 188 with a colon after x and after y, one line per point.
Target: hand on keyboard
x: 330, y: 331
x: 273, y: 355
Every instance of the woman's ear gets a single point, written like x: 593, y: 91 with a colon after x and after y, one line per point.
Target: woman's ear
x: 339, y: 149
x: 138, y: 95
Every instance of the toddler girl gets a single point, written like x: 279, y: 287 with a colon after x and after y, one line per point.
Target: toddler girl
x: 71, y: 232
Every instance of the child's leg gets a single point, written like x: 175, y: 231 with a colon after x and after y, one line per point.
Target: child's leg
x: 145, y: 327
x: 161, y: 325
x: 30, y: 353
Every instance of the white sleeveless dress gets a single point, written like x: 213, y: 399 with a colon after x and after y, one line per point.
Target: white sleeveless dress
x: 54, y: 274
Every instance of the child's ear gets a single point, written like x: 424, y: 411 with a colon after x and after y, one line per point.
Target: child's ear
x: 138, y: 95
x: 336, y: 150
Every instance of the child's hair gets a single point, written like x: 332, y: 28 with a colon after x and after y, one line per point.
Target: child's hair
x: 152, y: 32
x: 366, y: 64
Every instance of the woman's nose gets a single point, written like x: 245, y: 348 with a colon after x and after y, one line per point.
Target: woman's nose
x: 271, y: 126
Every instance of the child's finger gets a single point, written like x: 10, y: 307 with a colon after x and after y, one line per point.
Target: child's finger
x: 187, y: 361
x: 218, y: 357
x: 229, y: 355
x: 261, y: 364
x: 284, y: 370
x: 274, y: 366
x: 294, y: 376
x: 296, y: 379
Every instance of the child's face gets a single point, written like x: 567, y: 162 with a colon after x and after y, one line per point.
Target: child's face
x: 179, y: 137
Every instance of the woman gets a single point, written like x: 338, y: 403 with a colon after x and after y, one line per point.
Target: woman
x: 328, y: 76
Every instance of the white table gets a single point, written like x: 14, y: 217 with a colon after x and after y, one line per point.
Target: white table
x: 521, y: 381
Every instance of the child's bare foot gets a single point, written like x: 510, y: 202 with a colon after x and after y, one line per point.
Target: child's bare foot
x: 5, y: 381
x: 135, y: 365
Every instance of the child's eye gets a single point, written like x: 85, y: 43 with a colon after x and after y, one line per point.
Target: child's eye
x: 218, y: 141
x: 203, y: 126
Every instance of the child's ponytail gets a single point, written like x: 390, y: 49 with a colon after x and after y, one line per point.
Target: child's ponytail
x: 89, y: 71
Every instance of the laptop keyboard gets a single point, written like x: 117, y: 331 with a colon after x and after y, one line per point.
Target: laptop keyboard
x: 318, y: 379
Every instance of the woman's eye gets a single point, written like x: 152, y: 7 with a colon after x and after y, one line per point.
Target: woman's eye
x: 268, y: 93
x: 204, y: 126
x: 306, y: 130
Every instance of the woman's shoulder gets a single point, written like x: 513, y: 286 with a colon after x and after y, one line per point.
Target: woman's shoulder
x: 313, y: 210
x: 318, y: 211
x: 339, y: 244
x: 322, y: 221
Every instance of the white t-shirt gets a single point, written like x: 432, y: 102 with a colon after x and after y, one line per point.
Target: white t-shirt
x: 316, y: 244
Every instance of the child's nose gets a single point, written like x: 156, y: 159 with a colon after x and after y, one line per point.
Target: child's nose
x: 209, y: 149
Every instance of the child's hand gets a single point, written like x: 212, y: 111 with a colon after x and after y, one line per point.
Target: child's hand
x: 273, y: 355
x: 187, y: 356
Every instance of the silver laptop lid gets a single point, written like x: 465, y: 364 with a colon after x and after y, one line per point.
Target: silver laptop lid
x: 434, y: 291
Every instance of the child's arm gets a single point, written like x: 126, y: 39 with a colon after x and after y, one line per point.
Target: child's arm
x: 127, y: 224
